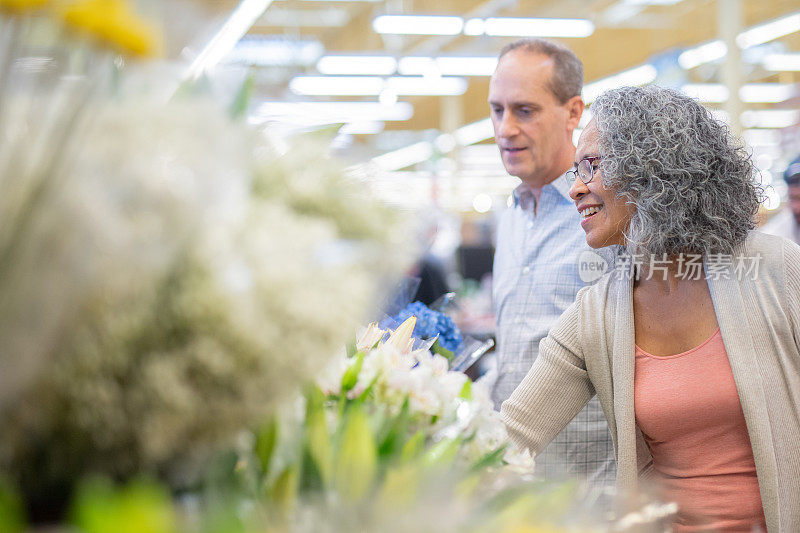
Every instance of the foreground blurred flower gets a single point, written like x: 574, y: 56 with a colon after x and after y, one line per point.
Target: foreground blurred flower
x: 184, y: 300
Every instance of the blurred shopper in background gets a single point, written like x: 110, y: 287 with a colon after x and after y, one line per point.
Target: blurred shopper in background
x: 535, y: 102
x: 691, y: 344
x: 787, y: 222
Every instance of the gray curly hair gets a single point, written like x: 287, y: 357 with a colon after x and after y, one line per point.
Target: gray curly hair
x: 692, y: 184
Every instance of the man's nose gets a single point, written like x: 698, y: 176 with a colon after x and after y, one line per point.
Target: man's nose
x: 507, y: 126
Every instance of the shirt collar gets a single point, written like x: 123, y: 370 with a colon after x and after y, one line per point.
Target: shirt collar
x: 524, y: 197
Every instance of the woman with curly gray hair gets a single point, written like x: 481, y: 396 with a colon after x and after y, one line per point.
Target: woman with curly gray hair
x: 691, y: 342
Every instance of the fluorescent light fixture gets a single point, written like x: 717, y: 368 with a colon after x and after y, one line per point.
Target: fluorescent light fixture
x: 374, y: 85
x: 770, y: 118
x: 641, y: 75
x: 474, y: 27
x: 242, y: 18
x: 706, y: 92
x: 652, y: 2
x: 467, y: 66
x: 781, y: 62
x: 404, y: 157
x: 418, y: 24
x: 421, y: 85
x: 329, y: 17
x: 704, y: 53
x: 417, y: 66
x: 357, y: 64
x: 771, y: 30
x: 474, y: 132
x: 768, y: 93
x: 337, y: 85
x: 448, y: 66
x: 366, y: 127
x: 336, y: 111
x: 762, y: 137
x: 537, y: 27
x: 275, y: 51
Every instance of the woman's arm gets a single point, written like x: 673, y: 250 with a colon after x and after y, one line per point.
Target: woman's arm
x: 555, y: 389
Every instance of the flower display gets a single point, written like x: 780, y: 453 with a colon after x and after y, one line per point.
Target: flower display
x: 432, y: 324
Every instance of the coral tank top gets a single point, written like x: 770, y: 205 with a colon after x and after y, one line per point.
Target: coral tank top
x: 688, y: 408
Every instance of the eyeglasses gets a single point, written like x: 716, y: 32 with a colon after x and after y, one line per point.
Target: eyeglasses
x: 585, y: 169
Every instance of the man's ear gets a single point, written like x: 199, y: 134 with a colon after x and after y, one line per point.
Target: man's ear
x: 575, y: 108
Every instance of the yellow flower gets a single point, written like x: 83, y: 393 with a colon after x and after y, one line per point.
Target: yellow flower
x: 22, y: 5
x: 113, y: 23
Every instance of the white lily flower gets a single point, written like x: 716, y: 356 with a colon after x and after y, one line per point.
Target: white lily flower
x: 370, y: 337
x: 400, y: 339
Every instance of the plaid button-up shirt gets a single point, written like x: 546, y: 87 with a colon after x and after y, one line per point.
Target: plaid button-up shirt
x: 535, y: 279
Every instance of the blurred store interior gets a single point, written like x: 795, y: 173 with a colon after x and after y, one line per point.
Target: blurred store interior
x: 409, y: 80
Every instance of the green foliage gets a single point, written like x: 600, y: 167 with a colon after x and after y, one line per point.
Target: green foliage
x: 12, y: 517
x: 139, y: 507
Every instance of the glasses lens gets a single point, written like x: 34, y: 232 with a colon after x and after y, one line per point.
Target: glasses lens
x: 585, y: 170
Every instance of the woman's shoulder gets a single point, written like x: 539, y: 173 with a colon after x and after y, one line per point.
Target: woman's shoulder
x: 774, y: 256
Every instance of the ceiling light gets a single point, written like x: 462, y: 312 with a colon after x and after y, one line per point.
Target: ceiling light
x: 474, y: 132
x: 704, y: 53
x: 420, y: 85
x: 275, y: 51
x: 467, y: 66
x: 537, y: 27
x: 771, y: 30
x: 337, y: 85
x: 652, y: 2
x: 404, y: 157
x: 417, y: 66
x: 329, y: 17
x: 418, y: 24
x: 365, y: 127
x: 768, y: 93
x: 474, y: 27
x: 355, y: 64
x: 706, y: 92
x: 781, y: 62
x: 336, y: 111
x: 226, y: 38
x: 641, y: 75
x: 374, y: 85
x: 762, y: 137
x: 770, y: 118
x: 448, y: 66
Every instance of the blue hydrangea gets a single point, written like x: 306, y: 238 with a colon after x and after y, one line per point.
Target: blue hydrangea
x: 431, y: 323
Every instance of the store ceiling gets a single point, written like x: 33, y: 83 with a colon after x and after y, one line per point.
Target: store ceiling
x: 627, y: 34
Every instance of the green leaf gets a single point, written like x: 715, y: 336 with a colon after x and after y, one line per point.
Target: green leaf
x: 283, y: 493
x: 317, y: 439
x: 466, y: 391
x: 413, y: 447
x: 140, y: 507
x: 442, y: 453
x: 357, y: 458
x: 350, y: 377
x: 242, y: 101
x: 493, y: 458
x: 266, y: 440
x: 394, y: 432
x: 444, y: 352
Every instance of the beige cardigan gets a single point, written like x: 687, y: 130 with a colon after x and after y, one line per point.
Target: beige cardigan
x: 591, y: 350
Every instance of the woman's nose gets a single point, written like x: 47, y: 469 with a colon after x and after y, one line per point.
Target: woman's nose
x: 577, y: 189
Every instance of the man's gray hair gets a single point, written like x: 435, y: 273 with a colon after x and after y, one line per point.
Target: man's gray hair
x: 567, y: 78
x: 693, y: 185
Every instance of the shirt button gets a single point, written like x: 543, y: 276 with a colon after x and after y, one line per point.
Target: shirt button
x: 526, y: 270
x: 530, y: 225
x: 518, y: 320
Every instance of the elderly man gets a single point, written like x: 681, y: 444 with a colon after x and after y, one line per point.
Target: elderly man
x: 787, y: 222
x: 535, y: 102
